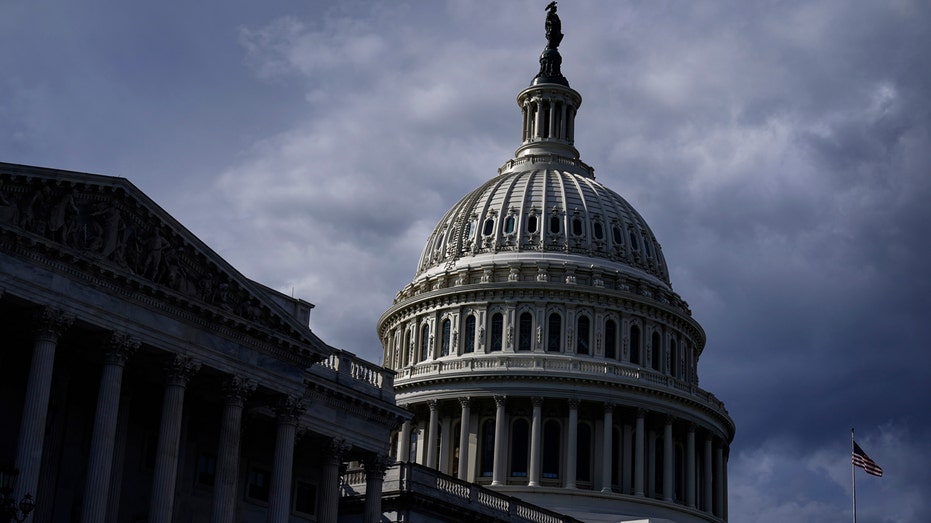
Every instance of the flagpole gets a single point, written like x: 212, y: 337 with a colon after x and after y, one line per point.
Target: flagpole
x: 853, y: 478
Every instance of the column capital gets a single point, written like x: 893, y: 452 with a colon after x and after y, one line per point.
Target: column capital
x: 52, y: 322
x: 608, y: 408
x: 641, y: 413
x: 120, y: 347
x: 500, y: 401
x: 574, y: 403
x: 336, y: 449
x: 376, y: 465
x: 433, y: 404
x: 289, y: 410
x: 181, y: 368
x: 465, y: 401
x: 237, y: 389
x: 537, y: 401
x: 670, y: 419
x: 691, y: 427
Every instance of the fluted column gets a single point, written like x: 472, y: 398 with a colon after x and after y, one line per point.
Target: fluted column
x: 464, y: 422
x: 628, y: 471
x: 178, y: 372
x: 607, y: 454
x: 536, y: 441
x: 690, y: 466
x: 236, y: 390
x: 329, y: 486
x: 404, y: 441
x: 51, y: 323
x: 719, y: 480
x: 288, y: 412
x: 100, y: 460
x: 497, y: 475
x: 706, y: 481
x: 638, y: 453
x: 432, y: 429
x: 446, y: 439
x: 375, y: 468
x: 668, y: 460
x: 572, y: 443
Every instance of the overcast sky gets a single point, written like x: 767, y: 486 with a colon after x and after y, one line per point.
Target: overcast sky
x: 779, y: 150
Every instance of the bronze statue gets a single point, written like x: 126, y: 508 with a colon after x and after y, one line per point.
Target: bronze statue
x: 553, y: 27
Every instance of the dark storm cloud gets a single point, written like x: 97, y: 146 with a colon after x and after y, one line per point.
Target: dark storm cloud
x: 779, y: 150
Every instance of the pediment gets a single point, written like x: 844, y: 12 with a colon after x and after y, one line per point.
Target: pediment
x: 106, y: 227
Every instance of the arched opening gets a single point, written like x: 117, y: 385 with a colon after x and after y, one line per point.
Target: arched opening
x: 424, y: 342
x: 656, y: 351
x: 611, y: 339
x: 635, y: 344
x: 552, y: 433
x: 469, y: 334
x: 520, y: 448
x: 447, y: 333
x: 525, y: 332
x: 497, y: 331
x: 583, y: 335
x: 554, y: 333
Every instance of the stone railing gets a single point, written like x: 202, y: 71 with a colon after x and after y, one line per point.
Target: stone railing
x: 536, y: 363
x: 348, y: 369
x: 471, y: 501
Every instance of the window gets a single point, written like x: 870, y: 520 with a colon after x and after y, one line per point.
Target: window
x: 551, y: 446
x: 488, y: 448
x: 633, y: 241
x: 577, y: 226
x: 554, y: 224
x: 598, y: 230
x: 447, y: 328
x: 469, y: 230
x: 424, y: 342
x: 305, y: 498
x: 489, y: 227
x: 406, y: 349
x: 656, y: 351
x: 509, y: 225
x: 469, y: 338
x: 674, y: 352
x: 635, y: 344
x: 584, y: 453
x: 497, y: 331
x: 525, y: 332
x: 520, y: 448
x: 532, y: 223
x: 554, y: 333
x: 618, y: 236
x: 582, y: 336
x: 257, y: 484
x: 610, y: 339
x: 206, y: 469
x: 646, y: 247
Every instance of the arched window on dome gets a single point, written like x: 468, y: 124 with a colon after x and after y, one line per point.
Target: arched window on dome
x: 497, y: 332
x: 617, y: 235
x: 598, y: 230
x: 554, y: 333
x: 425, y: 342
x: 554, y: 224
x: 489, y: 227
x: 634, y: 244
x: 525, y: 332
x: 447, y: 334
x: 583, y: 456
x: 406, y: 349
x: 487, y: 455
x: 468, y: 339
x: 577, y: 228
x: 583, y: 335
x: 611, y: 339
x: 646, y: 246
x: 673, y: 359
x: 520, y: 448
x: 552, y: 434
x: 509, y: 223
x: 532, y: 224
x: 656, y: 351
x: 635, y: 344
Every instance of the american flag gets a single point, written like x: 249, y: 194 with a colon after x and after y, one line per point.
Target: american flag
x: 860, y: 459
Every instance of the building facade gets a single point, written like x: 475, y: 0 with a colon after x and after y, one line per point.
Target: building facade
x: 142, y: 378
x: 542, y: 348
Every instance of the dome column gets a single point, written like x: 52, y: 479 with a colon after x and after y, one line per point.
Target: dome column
x: 464, y: 423
x: 432, y: 430
x: 572, y: 443
x: 536, y: 430
x: 607, y: 448
x: 638, y: 453
x: 497, y: 475
x: 626, y: 486
x: 404, y: 441
x: 706, y: 480
x: 719, y: 480
x: 668, y: 460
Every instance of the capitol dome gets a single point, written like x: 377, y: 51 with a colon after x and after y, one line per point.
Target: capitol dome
x: 542, y: 348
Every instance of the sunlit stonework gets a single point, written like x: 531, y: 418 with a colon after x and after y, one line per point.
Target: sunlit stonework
x: 542, y: 348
